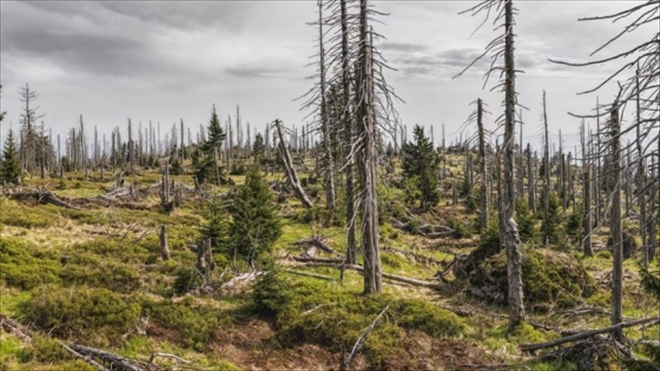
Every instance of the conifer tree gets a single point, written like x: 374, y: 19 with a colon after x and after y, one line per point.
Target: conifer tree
x: 259, y: 147
x: 420, y: 167
x: 11, y: 171
x: 208, y: 168
x: 255, y: 225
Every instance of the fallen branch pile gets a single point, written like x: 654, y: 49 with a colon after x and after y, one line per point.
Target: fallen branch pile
x: 586, y: 334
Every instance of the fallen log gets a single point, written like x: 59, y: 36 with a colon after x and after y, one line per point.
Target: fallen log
x: 418, y: 257
x: 116, y: 362
x: 309, y: 274
x: 358, y: 268
x: 87, y: 359
x: 586, y: 334
x: 308, y: 259
x: 42, y: 197
x: 315, y: 241
x: 346, y: 362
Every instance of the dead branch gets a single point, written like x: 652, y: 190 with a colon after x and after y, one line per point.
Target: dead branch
x: 359, y: 268
x: 117, y: 362
x: 586, y: 334
x: 290, y: 171
x: 308, y: 274
x: 41, y: 196
x: 346, y: 362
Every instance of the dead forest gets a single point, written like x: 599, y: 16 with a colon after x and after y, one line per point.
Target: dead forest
x: 351, y: 241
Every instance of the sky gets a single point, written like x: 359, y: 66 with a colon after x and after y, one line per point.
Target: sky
x: 163, y: 61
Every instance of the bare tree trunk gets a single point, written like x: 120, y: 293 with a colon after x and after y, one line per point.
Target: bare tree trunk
x: 597, y: 173
x: 351, y: 245
x: 586, y: 196
x: 165, y: 187
x: 367, y: 159
x: 615, y: 224
x: 291, y: 173
x: 325, y: 127
x: 164, y: 246
x: 205, y: 262
x: 511, y: 238
x: 484, y: 217
x: 531, y: 185
x: 546, y: 160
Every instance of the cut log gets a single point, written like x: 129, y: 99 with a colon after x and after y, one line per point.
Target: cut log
x: 586, y: 334
x: 316, y: 241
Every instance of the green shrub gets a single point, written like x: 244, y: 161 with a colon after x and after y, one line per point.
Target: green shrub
x: 460, y: 229
x: 26, y: 217
x: 94, y: 316
x: 107, y: 274
x: 45, y: 350
x: 24, y: 266
x: 187, y: 279
x: 193, y: 324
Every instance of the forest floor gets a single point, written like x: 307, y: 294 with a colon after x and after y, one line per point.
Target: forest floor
x: 92, y: 275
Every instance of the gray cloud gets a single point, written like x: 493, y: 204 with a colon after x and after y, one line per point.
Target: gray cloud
x: 257, y: 71
x: 402, y: 47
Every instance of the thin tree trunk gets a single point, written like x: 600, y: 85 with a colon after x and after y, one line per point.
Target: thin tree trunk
x: 531, y: 186
x: 484, y: 217
x: 546, y: 160
x: 351, y: 245
x: 325, y: 127
x: 615, y: 224
x: 586, y: 196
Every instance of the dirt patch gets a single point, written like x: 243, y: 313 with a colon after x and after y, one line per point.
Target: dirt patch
x: 252, y: 346
x: 427, y: 353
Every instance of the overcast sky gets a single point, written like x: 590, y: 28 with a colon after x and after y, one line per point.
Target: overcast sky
x: 162, y: 61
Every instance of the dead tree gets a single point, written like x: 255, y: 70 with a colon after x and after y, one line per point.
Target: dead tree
x: 165, y: 187
x: 291, y: 173
x: 316, y: 99
x: 502, y: 46
x: 164, y: 245
x: 366, y: 156
x: 586, y: 195
x: 531, y: 183
x: 351, y: 245
x: 205, y: 262
x: 546, y: 162
x: 615, y: 222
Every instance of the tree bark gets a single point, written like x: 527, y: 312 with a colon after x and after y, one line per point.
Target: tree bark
x: 546, y: 160
x: 511, y: 237
x: 351, y: 245
x: 164, y: 245
x: 615, y: 223
x: 367, y: 159
x: 291, y: 173
x: 586, y: 197
x: 325, y: 127
x: 483, y: 168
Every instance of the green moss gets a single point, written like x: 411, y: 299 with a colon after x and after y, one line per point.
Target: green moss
x: 18, y: 215
x: 107, y: 274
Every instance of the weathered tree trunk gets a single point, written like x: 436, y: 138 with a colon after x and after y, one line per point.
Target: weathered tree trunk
x: 165, y: 186
x: 531, y: 185
x: 325, y: 127
x: 586, y: 196
x: 597, y: 173
x: 615, y: 223
x: 483, y: 166
x: 291, y: 173
x: 546, y: 160
x: 351, y: 245
x: 205, y: 262
x: 511, y: 238
x: 164, y: 246
x: 367, y: 159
